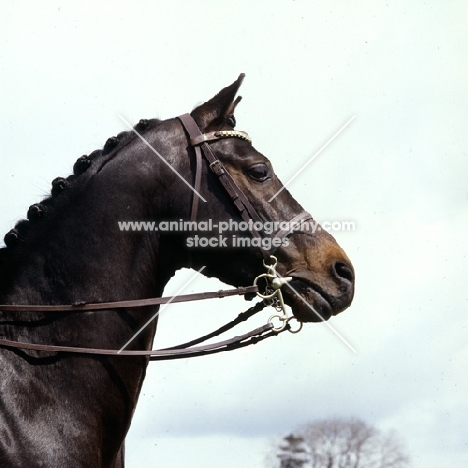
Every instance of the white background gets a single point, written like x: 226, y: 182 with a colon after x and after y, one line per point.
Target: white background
x: 399, y: 171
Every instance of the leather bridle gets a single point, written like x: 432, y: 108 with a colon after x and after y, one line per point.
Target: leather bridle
x: 200, y: 143
x: 271, y: 296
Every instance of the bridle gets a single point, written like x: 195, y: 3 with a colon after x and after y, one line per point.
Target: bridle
x: 271, y: 295
x: 200, y: 143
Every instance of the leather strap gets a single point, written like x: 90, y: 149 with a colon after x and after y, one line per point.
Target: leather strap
x: 197, y: 185
x: 184, y: 350
x: 160, y: 353
x: 199, y: 142
x: 192, y: 128
x: 130, y: 304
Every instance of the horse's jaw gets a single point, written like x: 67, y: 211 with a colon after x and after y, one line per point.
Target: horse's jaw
x: 309, y: 303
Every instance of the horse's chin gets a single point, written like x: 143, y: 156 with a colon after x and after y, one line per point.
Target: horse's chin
x: 307, y: 303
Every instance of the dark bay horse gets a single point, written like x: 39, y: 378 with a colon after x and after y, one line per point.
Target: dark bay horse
x: 73, y: 410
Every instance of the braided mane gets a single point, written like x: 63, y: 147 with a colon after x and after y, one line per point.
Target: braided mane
x: 64, y: 189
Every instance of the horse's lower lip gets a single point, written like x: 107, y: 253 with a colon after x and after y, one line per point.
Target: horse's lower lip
x: 308, y: 304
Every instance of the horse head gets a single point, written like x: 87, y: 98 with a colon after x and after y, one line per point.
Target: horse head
x: 322, y: 275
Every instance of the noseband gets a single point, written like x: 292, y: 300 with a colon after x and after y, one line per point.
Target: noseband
x: 200, y: 143
x: 270, y: 296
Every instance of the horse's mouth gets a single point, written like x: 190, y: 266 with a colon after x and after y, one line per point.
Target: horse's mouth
x: 308, y: 304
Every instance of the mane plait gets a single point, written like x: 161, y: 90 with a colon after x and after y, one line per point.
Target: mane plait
x: 60, y: 185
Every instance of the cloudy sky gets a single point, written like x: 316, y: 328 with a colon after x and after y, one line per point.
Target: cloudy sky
x: 399, y: 171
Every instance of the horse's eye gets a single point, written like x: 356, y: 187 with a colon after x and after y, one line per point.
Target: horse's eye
x: 259, y: 172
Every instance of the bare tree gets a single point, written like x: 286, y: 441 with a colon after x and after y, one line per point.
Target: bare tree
x: 339, y: 443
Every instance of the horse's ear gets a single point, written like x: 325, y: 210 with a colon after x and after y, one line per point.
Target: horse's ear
x: 218, y: 108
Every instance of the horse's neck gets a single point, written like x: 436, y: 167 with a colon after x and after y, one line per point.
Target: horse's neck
x: 80, y: 258
x: 83, y: 256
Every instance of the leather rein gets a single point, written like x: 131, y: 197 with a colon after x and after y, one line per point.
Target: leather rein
x: 271, y: 296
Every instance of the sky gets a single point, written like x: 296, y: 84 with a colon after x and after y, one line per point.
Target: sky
x: 399, y: 171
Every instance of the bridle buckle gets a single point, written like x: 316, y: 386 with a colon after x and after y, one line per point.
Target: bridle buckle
x: 216, y: 167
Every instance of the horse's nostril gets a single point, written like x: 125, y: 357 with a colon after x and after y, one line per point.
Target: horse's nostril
x: 343, y: 271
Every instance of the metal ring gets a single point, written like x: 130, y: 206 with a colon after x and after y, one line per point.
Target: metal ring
x: 281, y: 319
x: 259, y: 294
x: 272, y: 265
x: 290, y: 328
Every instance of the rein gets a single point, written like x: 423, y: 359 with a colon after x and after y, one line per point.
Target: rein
x: 272, y: 295
x: 177, y: 352
x: 80, y: 307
